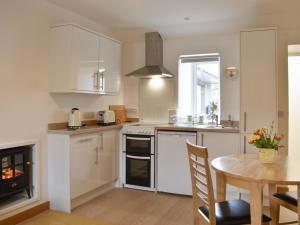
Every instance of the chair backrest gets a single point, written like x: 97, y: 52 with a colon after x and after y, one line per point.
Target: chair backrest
x: 201, y: 182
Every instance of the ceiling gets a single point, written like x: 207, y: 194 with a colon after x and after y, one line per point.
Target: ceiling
x: 168, y: 16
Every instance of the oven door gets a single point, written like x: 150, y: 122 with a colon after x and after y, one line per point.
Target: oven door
x: 139, y: 170
x: 139, y: 144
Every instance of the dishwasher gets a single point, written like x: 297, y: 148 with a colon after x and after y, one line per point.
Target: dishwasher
x: 173, y: 171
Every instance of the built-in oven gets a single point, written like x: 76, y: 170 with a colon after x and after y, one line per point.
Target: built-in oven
x: 139, y: 161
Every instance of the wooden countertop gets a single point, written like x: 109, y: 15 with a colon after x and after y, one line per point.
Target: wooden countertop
x: 159, y: 127
x: 195, y: 128
x: 85, y: 130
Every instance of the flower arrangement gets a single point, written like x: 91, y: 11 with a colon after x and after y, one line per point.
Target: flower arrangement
x: 266, y: 137
x: 212, y: 112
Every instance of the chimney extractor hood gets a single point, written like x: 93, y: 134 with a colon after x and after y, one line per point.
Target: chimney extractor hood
x: 154, y: 59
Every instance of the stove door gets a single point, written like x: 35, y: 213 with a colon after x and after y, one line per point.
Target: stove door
x: 139, y: 144
x: 140, y: 171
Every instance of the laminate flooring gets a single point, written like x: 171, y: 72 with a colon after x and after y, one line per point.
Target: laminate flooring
x: 134, y: 207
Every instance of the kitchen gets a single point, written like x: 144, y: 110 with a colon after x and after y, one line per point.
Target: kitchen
x: 150, y: 103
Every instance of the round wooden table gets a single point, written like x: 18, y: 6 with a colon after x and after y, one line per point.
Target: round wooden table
x: 247, y: 172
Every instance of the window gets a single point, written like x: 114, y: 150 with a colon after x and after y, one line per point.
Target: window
x: 199, y: 85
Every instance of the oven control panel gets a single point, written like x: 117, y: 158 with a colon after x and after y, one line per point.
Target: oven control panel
x: 132, y: 129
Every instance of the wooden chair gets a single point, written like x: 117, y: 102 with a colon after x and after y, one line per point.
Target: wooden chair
x: 205, y: 209
x: 287, y: 200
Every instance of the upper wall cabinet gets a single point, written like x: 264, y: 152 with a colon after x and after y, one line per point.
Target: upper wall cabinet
x: 83, y: 61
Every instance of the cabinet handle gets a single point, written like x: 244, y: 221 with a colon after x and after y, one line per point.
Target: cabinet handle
x: 244, y: 144
x: 95, y: 76
x: 245, y: 121
x: 102, y: 142
x: 97, y: 155
x: 102, y: 81
x: 98, y: 81
x: 202, y: 139
x: 85, y: 140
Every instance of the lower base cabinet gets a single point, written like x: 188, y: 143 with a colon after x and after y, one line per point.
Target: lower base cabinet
x: 84, y: 163
x: 79, y: 164
x: 107, y: 157
x: 220, y: 144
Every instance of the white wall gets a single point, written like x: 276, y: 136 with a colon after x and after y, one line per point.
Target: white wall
x: 226, y: 45
x: 25, y: 105
x: 294, y: 104
x: 285, y: 38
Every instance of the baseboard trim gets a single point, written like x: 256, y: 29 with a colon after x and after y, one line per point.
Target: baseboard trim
x: 27, y: 214
x: 91, y: 195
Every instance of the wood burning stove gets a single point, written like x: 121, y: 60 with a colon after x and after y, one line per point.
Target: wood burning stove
x: 15, y: 167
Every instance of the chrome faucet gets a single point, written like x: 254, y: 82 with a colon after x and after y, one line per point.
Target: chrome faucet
x: 230, y: 122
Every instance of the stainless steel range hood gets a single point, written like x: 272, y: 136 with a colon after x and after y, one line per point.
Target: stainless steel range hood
x: 154, y: 59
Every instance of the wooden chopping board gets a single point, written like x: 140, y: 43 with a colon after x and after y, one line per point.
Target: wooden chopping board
x: 120, y: 112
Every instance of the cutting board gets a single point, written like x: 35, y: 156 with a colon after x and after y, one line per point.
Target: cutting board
x: 120, y: 112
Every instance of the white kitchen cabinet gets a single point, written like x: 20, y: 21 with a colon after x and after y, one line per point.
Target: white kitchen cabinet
x: 83, y: 61
x: 80, y: 164
x: 220, y: 144
x: 110, y: 65
x: 258, y: 82
x: 84, y: 160
x: 245, y: 147
x: 107, y: 161
x: 173, y: 171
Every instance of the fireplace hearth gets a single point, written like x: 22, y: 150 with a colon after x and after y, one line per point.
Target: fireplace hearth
x: 15, y: 166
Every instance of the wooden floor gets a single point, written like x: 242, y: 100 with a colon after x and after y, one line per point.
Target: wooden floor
x: 132, y: 207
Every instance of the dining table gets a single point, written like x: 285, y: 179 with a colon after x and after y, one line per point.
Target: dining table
x: 247, y: 172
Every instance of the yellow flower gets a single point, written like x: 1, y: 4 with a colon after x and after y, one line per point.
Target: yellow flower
x: 255, y: 137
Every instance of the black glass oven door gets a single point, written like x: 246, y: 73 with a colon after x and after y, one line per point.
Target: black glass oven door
x: 138, y: 144
x: 138, y: 170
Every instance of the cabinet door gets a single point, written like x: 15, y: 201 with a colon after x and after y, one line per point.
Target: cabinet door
x: 84, y: 164
x: 258, y: 79
x: 107, y: 157
x: 86, y: 60
x: 219, y: 144
x: 110, y: 63
x: 245, y: 147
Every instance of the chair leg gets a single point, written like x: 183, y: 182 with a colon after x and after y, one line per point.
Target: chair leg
x: 196, y: 218
x: 277, y: 217
x: 196, y: 221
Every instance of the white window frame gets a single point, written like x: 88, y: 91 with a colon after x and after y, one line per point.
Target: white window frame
x: 200, y: 57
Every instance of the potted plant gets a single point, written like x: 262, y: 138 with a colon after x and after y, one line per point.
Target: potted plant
x: 267, y: 141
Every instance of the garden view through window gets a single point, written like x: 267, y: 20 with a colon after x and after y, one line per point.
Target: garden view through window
x: 199, y: 86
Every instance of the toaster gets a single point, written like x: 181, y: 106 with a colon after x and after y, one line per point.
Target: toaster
x: 106, y: 117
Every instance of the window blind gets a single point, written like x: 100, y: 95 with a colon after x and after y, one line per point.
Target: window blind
x: 200, y: 58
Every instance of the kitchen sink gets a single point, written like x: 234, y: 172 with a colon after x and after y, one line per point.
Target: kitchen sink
x: 204, y: 126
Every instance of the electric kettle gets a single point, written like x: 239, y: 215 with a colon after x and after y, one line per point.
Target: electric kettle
x: 74, y: 119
